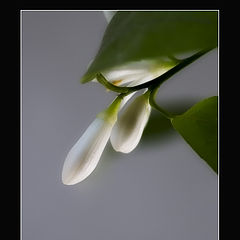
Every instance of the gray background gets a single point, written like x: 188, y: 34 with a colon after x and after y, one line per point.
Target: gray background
x: 162, y: 190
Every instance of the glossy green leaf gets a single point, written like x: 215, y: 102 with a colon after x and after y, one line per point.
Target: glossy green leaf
x: 153, y: 35
x: 198, y: 126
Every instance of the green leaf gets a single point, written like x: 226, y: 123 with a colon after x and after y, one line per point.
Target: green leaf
x: 153, y: 35
x: 198, y: 126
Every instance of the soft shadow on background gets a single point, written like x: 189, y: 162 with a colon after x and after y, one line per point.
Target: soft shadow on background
x: 158, y: 126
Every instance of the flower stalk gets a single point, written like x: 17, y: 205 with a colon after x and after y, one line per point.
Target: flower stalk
x: 165, y: 113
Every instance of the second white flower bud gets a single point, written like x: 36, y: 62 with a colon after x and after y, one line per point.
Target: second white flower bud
x: 128, y: 130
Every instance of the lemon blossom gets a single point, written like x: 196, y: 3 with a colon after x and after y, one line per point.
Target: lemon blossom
x: 128, y: 130
x: 84, y: 156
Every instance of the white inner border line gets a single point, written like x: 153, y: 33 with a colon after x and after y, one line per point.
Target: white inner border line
x: 21, y: 212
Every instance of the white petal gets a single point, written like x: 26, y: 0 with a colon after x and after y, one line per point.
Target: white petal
x: 122, y: 73
x: 143, y: 79
x: 128, y: 130
x: 150, y: 76
x: 85, y: 154
x: 138, y: 72
x: 118, y: 78
x: 125, y: 99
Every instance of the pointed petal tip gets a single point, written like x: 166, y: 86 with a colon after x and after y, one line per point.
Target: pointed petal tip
x: 71, y: 177
x: 72, y: 181
x: 67, y: 183
x: 118, y: 147
x: 124, y: 151
x: 66, y: 180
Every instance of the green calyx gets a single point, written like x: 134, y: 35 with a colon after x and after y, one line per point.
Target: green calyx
x: 110, y: 113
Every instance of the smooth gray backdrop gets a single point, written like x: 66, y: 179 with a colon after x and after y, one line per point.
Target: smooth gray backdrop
x: 162, y: 190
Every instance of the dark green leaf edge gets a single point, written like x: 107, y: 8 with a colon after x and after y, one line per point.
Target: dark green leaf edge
x: 213, y: 165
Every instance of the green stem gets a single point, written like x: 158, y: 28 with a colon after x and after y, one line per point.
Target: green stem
x: 153, y: 83
x: 152, y: 102
x: 101, y: 79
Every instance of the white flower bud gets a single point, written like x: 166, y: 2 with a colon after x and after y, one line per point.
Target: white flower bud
x: 128, y: 130
x: 84, y: 156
